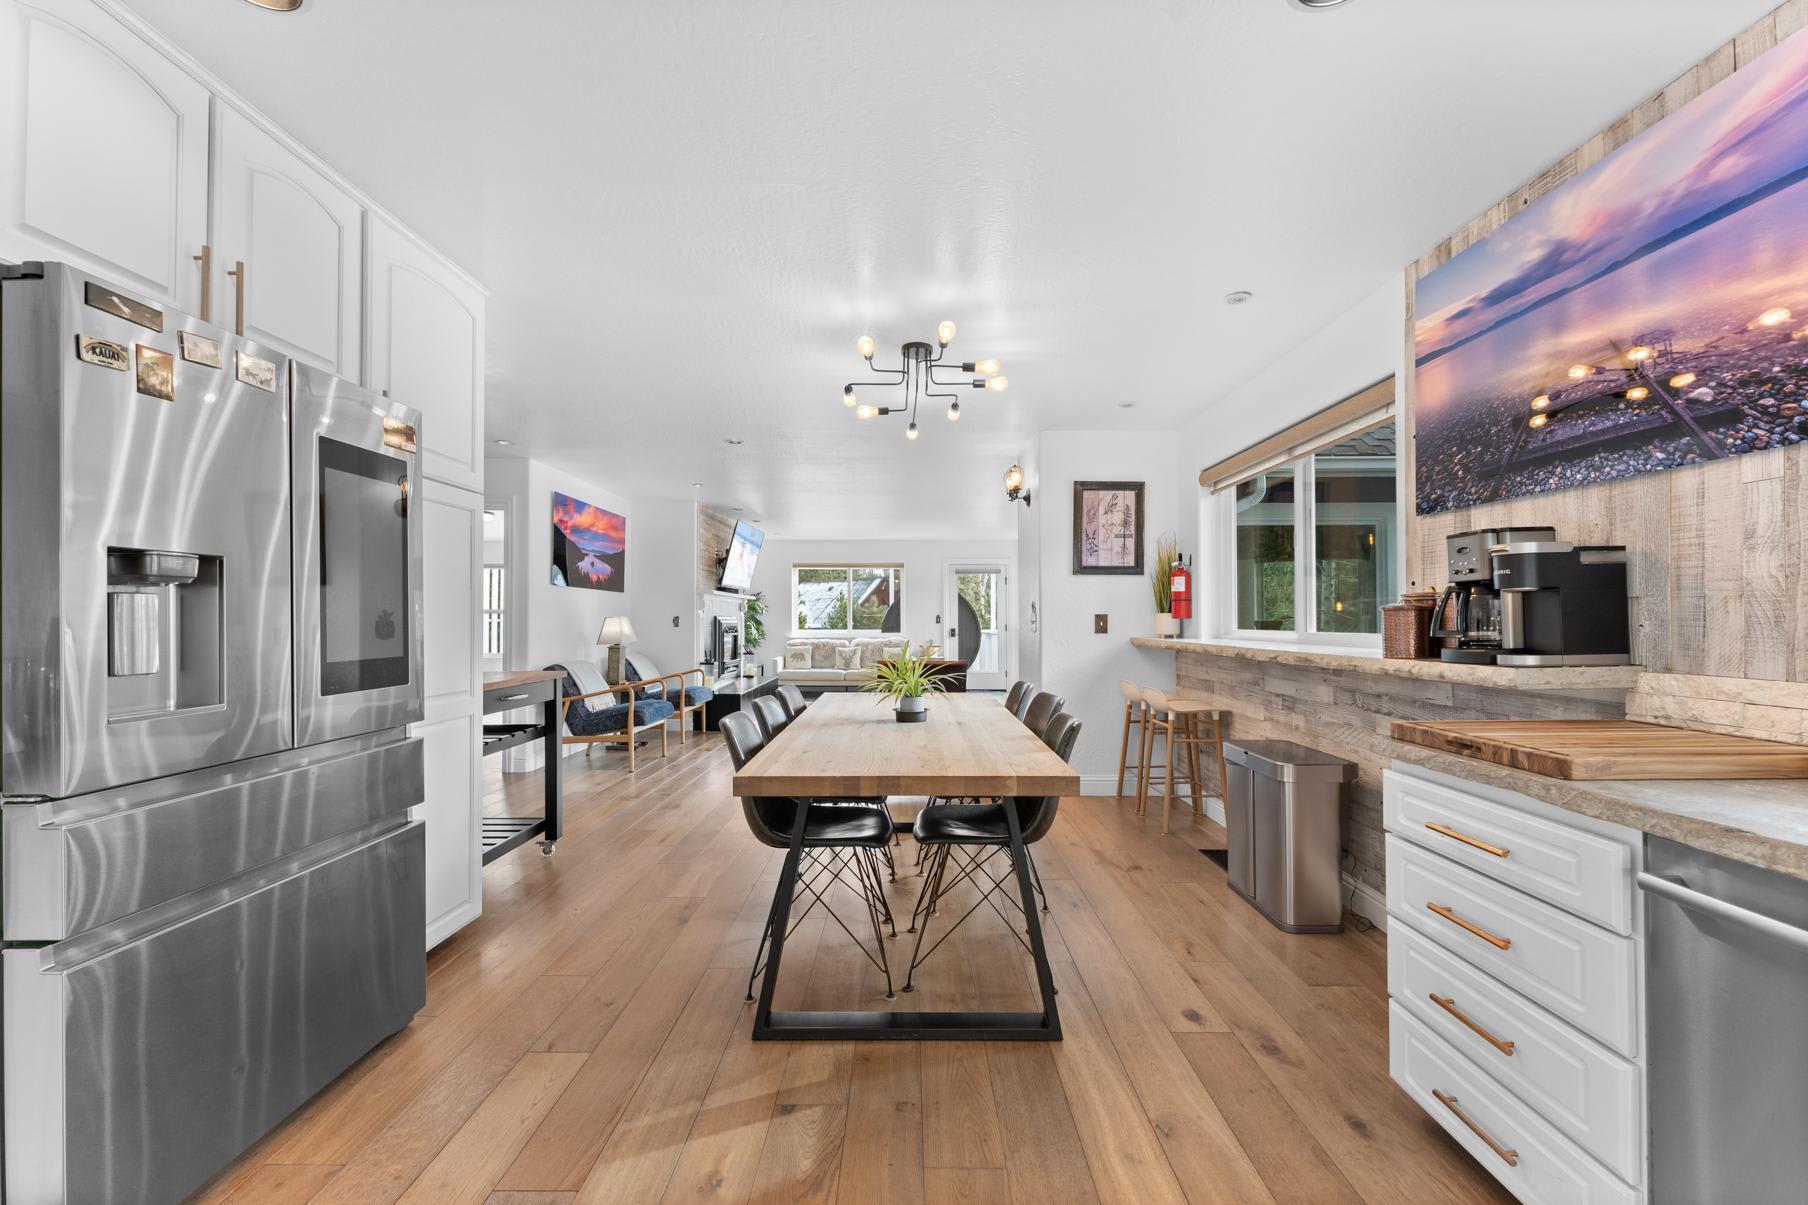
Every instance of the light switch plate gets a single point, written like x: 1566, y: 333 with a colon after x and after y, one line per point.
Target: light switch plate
x: 1101, y: 624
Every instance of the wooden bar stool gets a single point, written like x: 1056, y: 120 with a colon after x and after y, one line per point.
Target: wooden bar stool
x: 1135, y: 716
x: 1182, y: 725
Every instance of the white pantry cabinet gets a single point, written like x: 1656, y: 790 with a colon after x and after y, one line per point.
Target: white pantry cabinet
x: 451, y: 728
x: 103, y: 150
x: 425, y: 324
x: 300, y: 238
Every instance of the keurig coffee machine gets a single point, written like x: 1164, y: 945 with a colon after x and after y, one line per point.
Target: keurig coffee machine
x: 1561, y: 604
x: 1469, y: 609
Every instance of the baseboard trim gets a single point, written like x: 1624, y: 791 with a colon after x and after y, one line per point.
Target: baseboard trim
x: 1367, y: 903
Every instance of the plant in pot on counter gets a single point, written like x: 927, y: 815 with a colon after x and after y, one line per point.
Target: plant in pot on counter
x: 908, y: 682
x: 1167, y: 555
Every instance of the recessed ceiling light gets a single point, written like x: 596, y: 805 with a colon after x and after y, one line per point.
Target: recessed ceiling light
x: 734, y: 442
x: 278, y: 6
x: 504, y: 443
x: 696, y: 485
x: 1126, y: 405
x: 1308, y: 5
x: 1238, y: 298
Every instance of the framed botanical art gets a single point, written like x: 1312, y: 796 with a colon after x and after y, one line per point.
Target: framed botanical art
x: 1108, y: 527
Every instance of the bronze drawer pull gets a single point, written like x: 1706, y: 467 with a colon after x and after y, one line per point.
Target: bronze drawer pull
x: 1449, y: 1102
x: 1449, y: 1006
x: 1447, y: 831
x: 1501, y: 943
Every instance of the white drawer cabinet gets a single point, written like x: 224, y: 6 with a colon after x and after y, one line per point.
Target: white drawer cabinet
x: 103, y: 151
x: 1579, y: 971
x: 1524, y: 1151
x: 1587, y: 874
x: 1589, y: 1092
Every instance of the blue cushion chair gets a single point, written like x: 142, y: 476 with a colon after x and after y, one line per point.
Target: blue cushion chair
x: 687, y: 698
x: 599, y: 714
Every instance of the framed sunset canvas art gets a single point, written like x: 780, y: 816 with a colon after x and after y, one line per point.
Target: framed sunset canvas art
x: 1648, y: 314
x: 589, y: 545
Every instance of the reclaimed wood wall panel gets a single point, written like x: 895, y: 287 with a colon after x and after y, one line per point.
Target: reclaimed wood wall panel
x: 1716, y: 574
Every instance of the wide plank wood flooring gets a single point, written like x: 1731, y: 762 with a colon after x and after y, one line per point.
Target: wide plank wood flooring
x: 586, y: 1040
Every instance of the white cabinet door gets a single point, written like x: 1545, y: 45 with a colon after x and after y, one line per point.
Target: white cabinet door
x: 452, y: 728
x: 426, y: 350
x: 301, y: 239
x: 103, y: 151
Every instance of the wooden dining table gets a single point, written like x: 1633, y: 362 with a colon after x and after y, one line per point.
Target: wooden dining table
x: 851, y: 745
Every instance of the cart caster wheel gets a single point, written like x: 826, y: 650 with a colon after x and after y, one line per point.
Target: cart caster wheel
x: 546, y: 848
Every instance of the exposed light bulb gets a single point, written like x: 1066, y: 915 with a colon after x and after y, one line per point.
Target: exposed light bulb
x: 910, y: 432
x: 867, y: 346
x: 986, y: 368
x: 998, y: 384
x: 1538, y: 420
x: 954, y: 412
x: 1682, y: 380
x: 1638, y: 355
x: 1578, y: 371
x: 945, y: 332
x: 1637, y: 393
x: 1541, y: 401
x: 847, y: 396
x: 1013, y: 477
x: 867, y: 410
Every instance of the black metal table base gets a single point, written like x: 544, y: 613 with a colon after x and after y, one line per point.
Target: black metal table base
x: 951, y: 1026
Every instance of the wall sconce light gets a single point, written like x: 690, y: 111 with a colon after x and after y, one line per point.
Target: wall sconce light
x: 1013, y: 485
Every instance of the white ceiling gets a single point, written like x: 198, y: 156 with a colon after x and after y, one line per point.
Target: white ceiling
x: 687, y: 210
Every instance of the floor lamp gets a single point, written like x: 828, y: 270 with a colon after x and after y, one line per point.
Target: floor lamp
x: 618, y: 634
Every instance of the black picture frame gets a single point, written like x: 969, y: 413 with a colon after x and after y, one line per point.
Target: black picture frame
x: 1086, y: 561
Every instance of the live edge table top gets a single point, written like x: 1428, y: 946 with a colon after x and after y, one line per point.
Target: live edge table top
x: 851, y: 744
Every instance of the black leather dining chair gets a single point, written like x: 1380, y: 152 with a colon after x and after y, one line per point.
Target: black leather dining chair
x: 1018, y: 697
x: 1041, y: 710
x: 792, y: 699
x: 841, y: 843
x: 770, y: 715
x: 979, y: 832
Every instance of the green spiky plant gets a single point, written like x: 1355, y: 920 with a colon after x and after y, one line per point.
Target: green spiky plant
x: 1167, y: 555
x: 753, y: 621
x: 905, y: 677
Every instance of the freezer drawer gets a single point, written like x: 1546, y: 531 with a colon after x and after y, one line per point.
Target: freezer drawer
x: 142, y: 1057
x: 74, y: 864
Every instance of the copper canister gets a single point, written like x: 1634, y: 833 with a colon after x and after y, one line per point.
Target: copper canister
x: 1406, y: 627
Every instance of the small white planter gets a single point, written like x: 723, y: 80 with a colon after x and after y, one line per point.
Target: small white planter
x: 1166, y: 624
x: 911, y: 705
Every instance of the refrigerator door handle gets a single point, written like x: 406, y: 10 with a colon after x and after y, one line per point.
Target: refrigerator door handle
x: 1688, y: 897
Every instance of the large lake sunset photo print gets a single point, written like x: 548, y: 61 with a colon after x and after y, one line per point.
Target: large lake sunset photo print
x: 1650, y: 313
x: 589, y: 545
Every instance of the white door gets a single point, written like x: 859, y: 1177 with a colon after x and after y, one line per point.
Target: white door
x: 103, y: 151
x: 452, y: 728
x: 976, y: 622
x: 426, y: 350
x: 301, y: 239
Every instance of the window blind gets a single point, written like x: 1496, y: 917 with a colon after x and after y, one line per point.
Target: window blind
x: 1357, y: 413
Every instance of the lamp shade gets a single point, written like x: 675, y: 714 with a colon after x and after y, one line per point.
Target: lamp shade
x: 617, y: 629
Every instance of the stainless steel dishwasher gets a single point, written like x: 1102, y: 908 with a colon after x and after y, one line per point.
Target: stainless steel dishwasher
x: 1727, y: 1002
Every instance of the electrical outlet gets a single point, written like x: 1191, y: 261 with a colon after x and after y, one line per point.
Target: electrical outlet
x: 1101, y: 624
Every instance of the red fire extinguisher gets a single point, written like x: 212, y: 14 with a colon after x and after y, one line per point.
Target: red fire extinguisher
x: 1180, y: 591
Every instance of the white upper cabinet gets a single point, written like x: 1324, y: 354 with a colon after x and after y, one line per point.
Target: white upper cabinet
x: 425, y: 324
x: 103, y: 151
x: 301, y: 240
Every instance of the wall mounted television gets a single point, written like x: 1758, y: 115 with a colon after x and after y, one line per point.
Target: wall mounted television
x: 743, y: 553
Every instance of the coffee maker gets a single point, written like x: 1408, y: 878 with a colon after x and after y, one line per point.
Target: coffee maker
x: 1469, y: 609
x: 1561, y: 604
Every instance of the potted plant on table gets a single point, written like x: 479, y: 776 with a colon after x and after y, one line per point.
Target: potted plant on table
x: 1167, y: 555
x: 908, y: 681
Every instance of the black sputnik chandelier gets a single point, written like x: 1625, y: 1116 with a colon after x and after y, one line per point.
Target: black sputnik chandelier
x: 918, y: 379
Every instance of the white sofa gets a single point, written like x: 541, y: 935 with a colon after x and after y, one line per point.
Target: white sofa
x: 823, y: 672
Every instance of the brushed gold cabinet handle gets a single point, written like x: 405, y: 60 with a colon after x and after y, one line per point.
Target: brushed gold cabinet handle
x: 205, y: 259
x: 1449, y: 1102
x: 237, y: 272
x: 1449, y: 1006
x: 1498, y: 942
x: 1466, y: 839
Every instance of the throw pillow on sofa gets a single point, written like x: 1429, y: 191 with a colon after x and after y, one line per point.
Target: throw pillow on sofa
x: 797, y: 656
x: 890, y: 651
x: 870, y: 652
x: 847, y: 658
x: 822, y: 653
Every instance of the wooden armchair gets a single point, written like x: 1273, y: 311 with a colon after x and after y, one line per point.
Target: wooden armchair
x: 686, y: 699
x: 615, y: 724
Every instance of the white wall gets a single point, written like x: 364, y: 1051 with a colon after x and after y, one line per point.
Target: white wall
x: 1352, y: 352
x: 925, y: 590
x: 662, y: 581
x: 1074, y: 661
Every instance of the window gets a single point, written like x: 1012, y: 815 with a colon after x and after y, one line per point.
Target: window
x: 492, y: 610
x: 846, y: 598
x: 1313, y: 542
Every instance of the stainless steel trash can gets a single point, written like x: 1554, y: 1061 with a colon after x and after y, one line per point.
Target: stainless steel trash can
x: 1283, y: 809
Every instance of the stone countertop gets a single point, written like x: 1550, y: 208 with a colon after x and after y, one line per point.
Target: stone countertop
x: 1568, y: 678
x: 1761, y: 822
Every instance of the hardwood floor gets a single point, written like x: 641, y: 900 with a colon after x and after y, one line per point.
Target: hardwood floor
x: 585, y: 1040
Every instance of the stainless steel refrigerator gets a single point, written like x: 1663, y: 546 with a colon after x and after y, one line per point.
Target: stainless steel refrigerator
x: 211, y: 889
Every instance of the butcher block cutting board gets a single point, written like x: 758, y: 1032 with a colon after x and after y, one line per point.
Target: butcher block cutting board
x: 1609, y: 749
